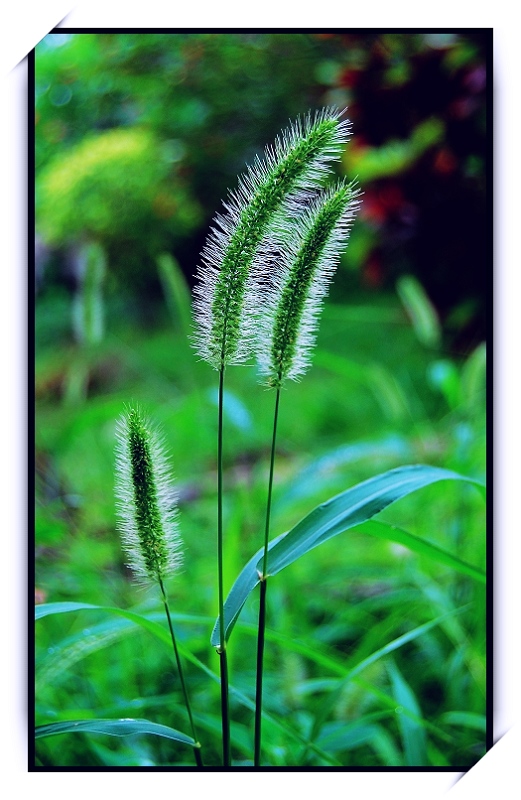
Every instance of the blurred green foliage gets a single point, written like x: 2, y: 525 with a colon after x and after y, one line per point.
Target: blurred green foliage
x: 172, y: 118
x: 107, y: 184
x: 347, y: 600
x: 115, y: 187
x: 138, y: 137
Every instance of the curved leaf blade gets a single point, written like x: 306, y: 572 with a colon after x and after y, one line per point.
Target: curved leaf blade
x: 382, y: 530
x: 413, y: 733
x: 353, y: 507
x: 347, y: 510
x: 467, y: 719
x: 162, y: 634
x: 351, y: 673
x: 65, y: 607
x: 113, y: 727
x: 46, y: 609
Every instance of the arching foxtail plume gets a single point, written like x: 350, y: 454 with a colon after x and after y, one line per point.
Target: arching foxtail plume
x: 270, y: 191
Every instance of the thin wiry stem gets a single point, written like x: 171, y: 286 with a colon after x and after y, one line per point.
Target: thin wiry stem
x: 287, y: 334
x: 197, y: 746
x: 260, y: 665
x: 270, y: 484
x: 258, y: 218
x: 263, y: 590
x: 225, y: 710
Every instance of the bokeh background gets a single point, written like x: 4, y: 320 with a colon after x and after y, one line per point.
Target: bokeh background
x: 139, y: 136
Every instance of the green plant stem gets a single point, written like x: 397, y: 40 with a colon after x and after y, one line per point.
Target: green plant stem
x: 223, y: 660
x: 260, y: 660
x: 197, y: 747
x: 263, y: 589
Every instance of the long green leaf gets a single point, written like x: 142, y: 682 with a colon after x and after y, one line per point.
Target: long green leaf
x: 383, y: 530
x: 421, y: 311
x: 467, y: 719
x: 339, y: 736
x: 319, y: 474
x: 49, y: 609
x: 313, y: 651
x: 56, y: 663
x: 412, y: 731
x: 347, y: 510
x: 161, y: 633
x: 176, y: 292
x: 46, y: 609
x: 112, y: 727
x: 329, y: 703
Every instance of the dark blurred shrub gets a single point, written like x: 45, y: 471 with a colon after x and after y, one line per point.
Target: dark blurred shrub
x: 212, y: 100
x: 418, y: 106
x: 114, y: 187
x: 204, y: 104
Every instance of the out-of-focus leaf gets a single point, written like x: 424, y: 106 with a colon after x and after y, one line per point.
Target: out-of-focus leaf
x: 113, y: 727
x: 329, y: 467
x: 465, y: 719
x: 337, y: 737
x: 176, y: 291
x: 379, y: 380
x: 420, y: 310
x: 413, y: 734
x: 394, y: 534
x: 233, y: 409
x: 443, y: 376
x: 396, y: 155
x: 473, y: 378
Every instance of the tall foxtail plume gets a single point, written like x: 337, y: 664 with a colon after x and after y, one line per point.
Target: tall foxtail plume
x: 299, y: 282
x: 270, y: 191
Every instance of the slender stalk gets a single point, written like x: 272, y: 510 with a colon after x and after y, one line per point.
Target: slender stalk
x: 260, y: 659
x: 197, y: 747
x: 270, y: 483
x: 263, y: 589
x: 225, y: 710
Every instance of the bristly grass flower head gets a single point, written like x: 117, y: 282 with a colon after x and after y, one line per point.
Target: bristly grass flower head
x: 299, y: 282
x: 270, y: 191
x: 146, y: 501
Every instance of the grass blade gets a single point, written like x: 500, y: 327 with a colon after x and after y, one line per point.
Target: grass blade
x: 177, y: 293
x: 161, y: 633
x: 328, y: 704
x: 320, y: 473
x: 421, y: 311
x: 383, y: 530
x: 113, y: 727
x: 61, y: 608
x: 347, y: 510
x: 413, y: 733
x: 466, y: 719
x: 340, y: 736
x: 54, y: 666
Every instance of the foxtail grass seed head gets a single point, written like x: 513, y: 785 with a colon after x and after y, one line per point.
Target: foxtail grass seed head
x: 146, y: 502
x: 300, y: 281
x: 270, y: 191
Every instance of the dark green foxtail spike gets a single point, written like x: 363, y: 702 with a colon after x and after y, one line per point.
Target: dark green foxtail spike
x: 146, y: 499
x: 301, y: 279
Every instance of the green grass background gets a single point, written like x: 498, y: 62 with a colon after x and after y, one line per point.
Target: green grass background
x: 373, y: 400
